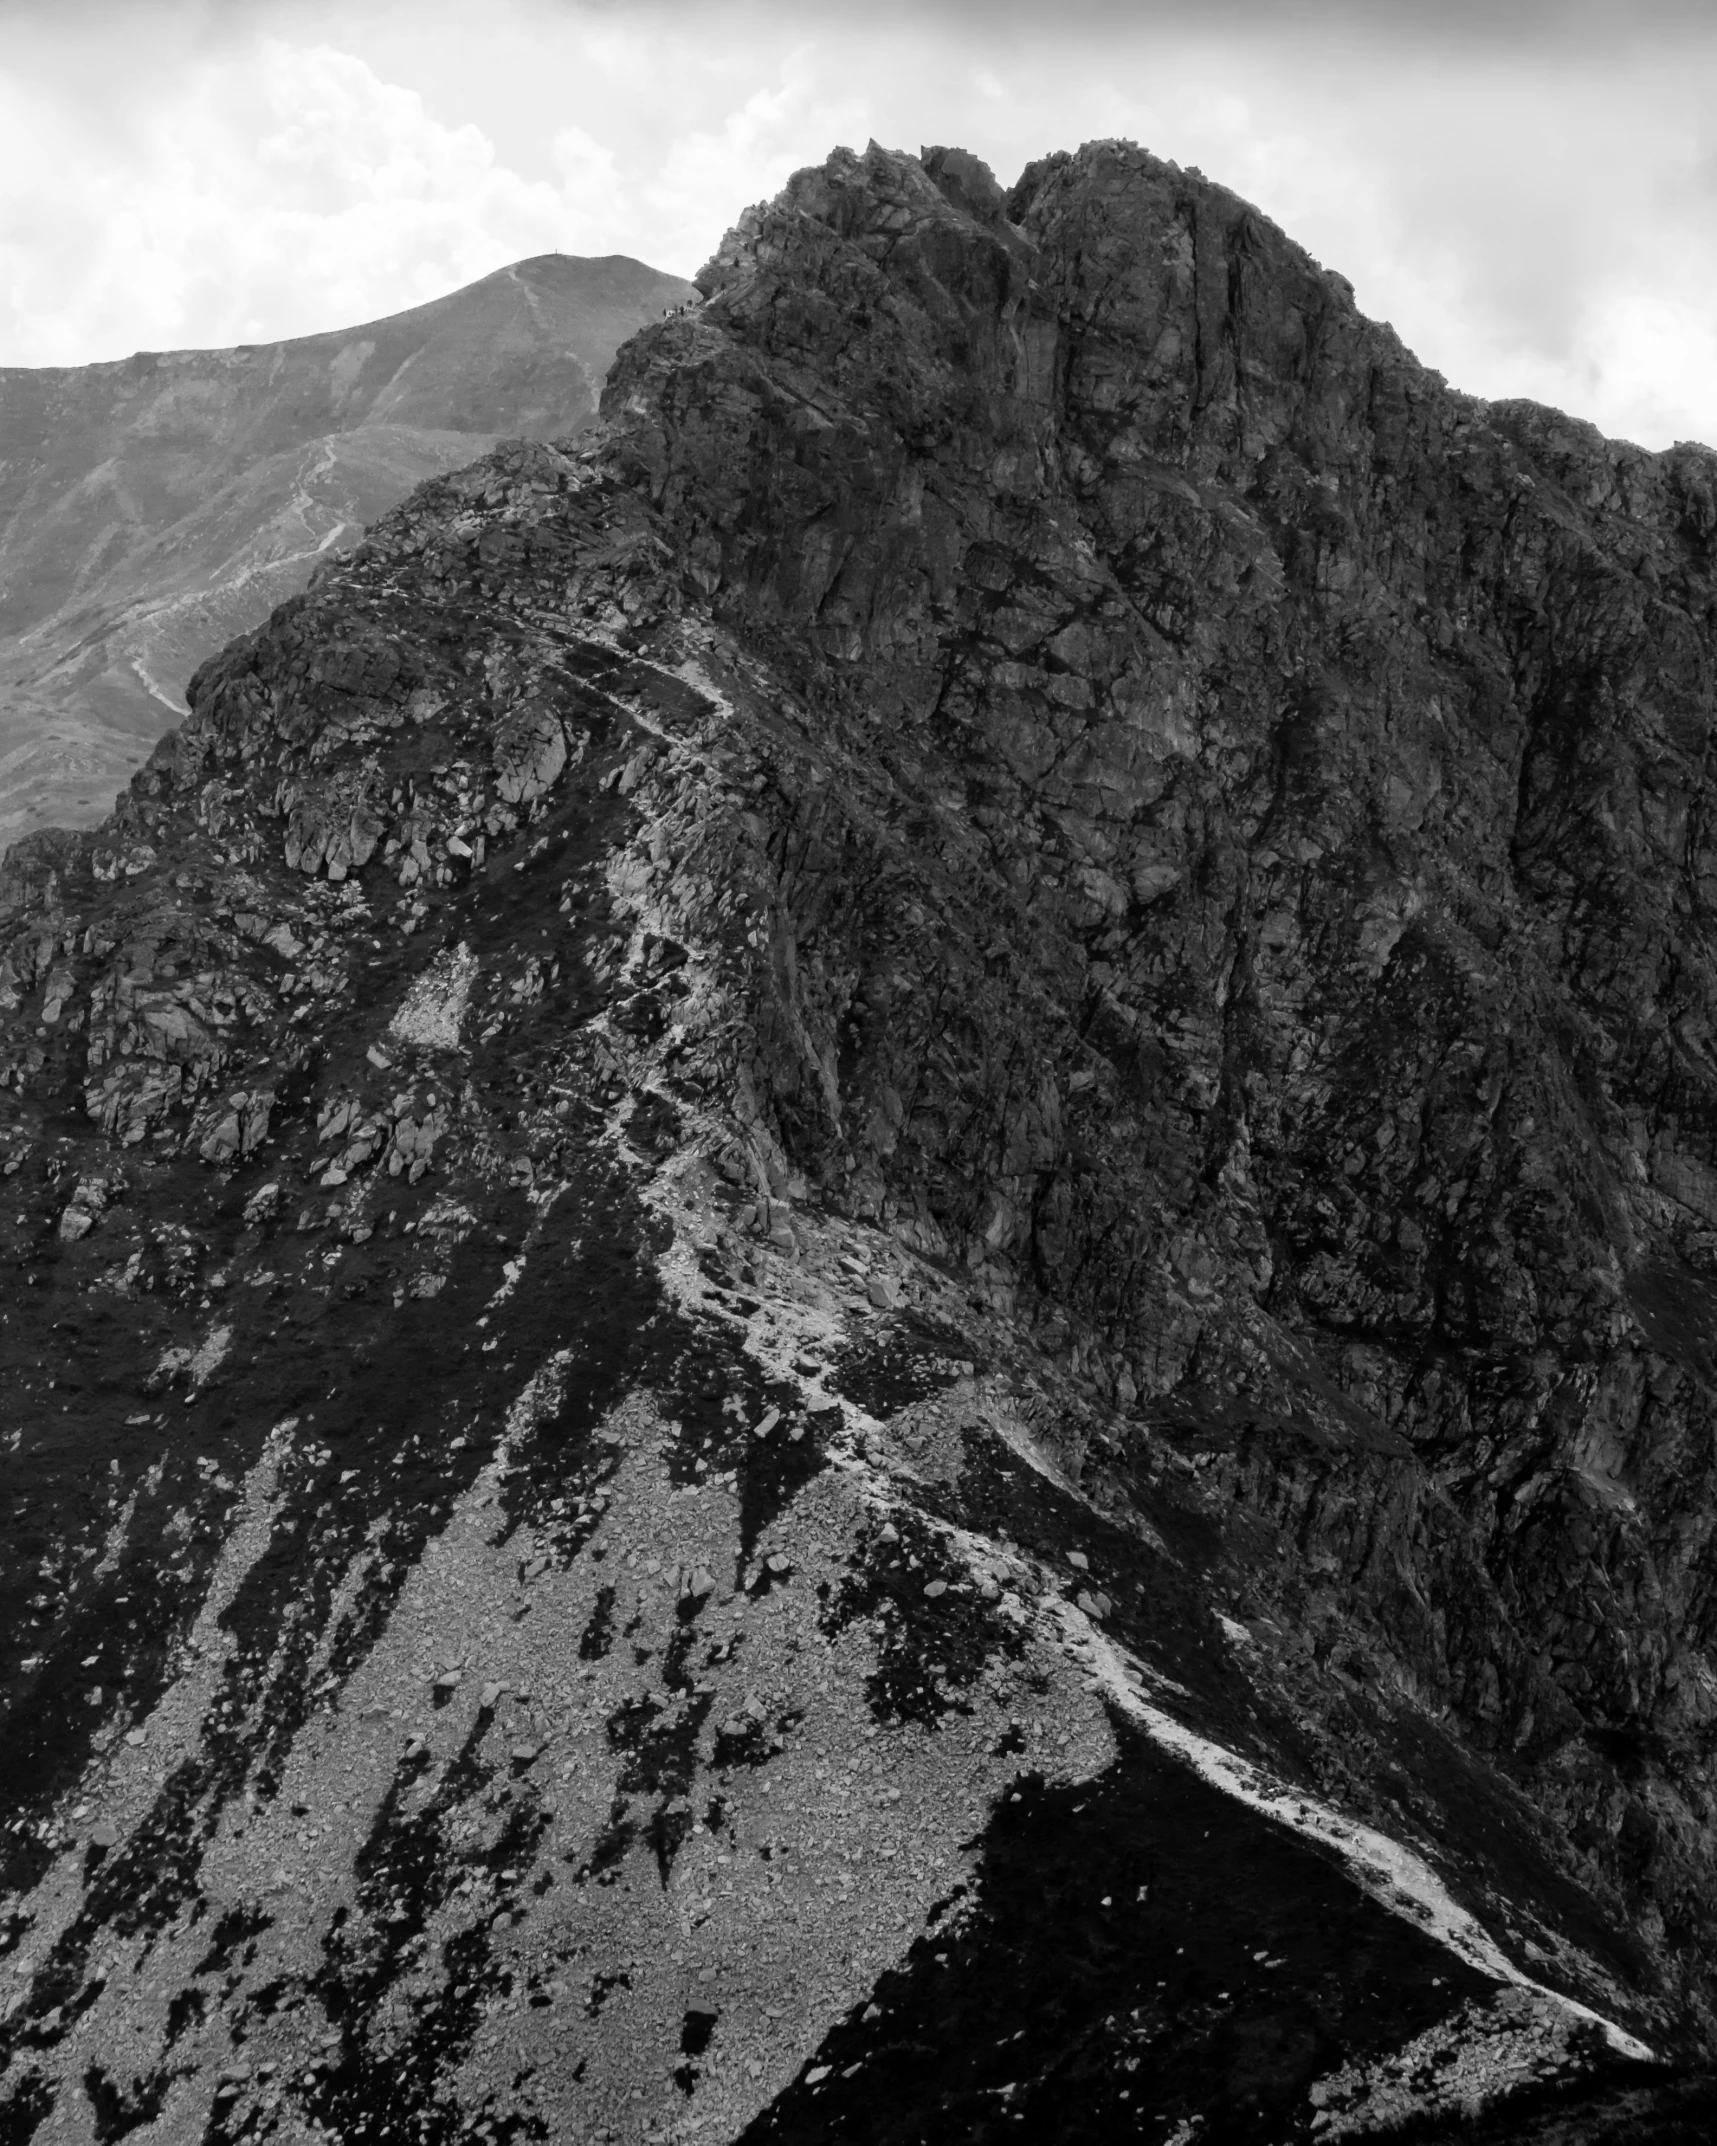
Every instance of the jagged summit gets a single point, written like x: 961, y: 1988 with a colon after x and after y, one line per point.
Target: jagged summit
x: 863, y: 1251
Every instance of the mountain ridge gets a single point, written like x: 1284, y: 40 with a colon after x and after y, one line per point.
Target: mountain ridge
x: 151, y: 506
x: 879, y: 1234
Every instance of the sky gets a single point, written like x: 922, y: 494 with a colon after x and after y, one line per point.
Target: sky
x: 1525, y: 188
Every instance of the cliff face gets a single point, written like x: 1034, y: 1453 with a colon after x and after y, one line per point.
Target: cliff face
x: 863, y: 1251
x: 152, y: 508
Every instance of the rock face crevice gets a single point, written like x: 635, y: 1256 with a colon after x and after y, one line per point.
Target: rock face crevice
x: 958, y: 1092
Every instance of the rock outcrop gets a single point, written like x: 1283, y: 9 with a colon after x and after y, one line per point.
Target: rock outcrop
x: 865, y: 1252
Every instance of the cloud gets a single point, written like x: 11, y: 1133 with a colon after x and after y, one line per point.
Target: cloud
x: 279, y: 189
x: 598, y: 212
x: 752, y: 154
x: 252, y: 189
x: 1476, y: 25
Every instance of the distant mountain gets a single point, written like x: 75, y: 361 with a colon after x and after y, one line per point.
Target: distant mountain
x: 152, y: 508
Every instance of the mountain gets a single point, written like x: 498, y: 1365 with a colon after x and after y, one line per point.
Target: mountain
x: 151, y: 509
x: 862, y: 1253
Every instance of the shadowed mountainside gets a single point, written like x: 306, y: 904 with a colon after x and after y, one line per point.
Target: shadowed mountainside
x: 151, y: 508
x: 863, y: 1253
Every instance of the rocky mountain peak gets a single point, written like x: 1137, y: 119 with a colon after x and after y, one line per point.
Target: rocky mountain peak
x: 863, y: 1251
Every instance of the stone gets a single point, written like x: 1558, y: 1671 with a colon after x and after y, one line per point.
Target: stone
x: 227, y: 1133
x: 530, y: 752
x: 130, y: 1100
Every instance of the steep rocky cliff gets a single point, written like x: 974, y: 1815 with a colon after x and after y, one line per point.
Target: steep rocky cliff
x: 152, y: 508
x: 862, y: 1253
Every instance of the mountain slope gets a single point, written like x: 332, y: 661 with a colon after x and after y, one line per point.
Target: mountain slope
x: 862, y: 1252
x: 150, y: 509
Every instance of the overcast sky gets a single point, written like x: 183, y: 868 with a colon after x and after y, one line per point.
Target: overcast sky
x: 1525, y: 188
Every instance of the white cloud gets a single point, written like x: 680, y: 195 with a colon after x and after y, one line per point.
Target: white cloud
x: 277, y: 189
x: 711, y: 174
x: 283, y: 189
x: 596, y: 215
x: 668, y: 193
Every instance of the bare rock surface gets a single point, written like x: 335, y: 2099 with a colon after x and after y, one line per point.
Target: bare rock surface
x: 861, y: 1253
